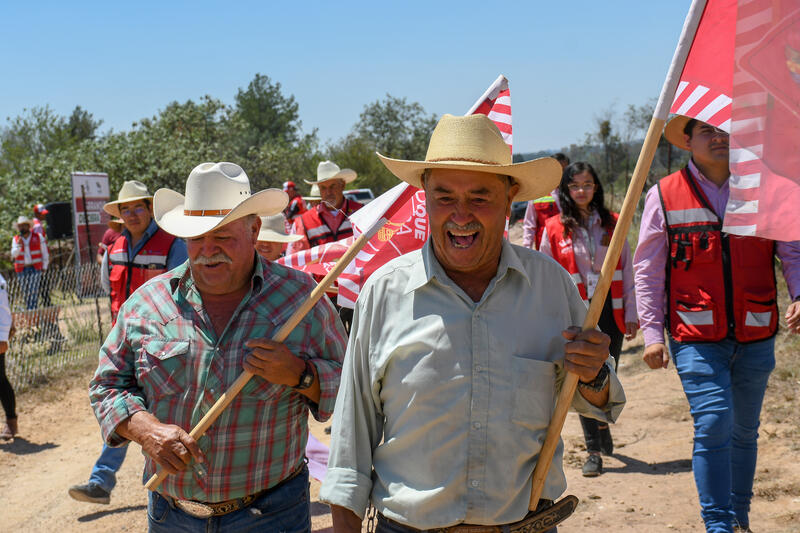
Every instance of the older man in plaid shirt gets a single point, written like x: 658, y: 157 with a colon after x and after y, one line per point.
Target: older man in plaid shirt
x: 185, y: 336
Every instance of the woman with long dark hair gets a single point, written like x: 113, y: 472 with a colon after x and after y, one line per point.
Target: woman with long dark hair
x: 578, y: 239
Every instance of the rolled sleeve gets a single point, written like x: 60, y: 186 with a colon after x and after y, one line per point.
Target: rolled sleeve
x: 113, y: 391
x: 357, y: 422
x: 616, y: 399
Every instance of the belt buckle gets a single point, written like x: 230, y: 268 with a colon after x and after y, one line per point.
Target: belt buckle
x: 196, y: 509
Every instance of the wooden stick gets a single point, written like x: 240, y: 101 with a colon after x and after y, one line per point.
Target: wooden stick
x: 596, y: 307
x: 280, y: 336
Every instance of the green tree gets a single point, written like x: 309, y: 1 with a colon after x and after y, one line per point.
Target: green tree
x: 266, y: 114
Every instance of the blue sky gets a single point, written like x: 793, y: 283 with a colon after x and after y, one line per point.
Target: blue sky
x: 566, y: 61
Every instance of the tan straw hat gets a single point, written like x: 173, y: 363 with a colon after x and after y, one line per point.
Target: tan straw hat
x: 22, y: 219
x: 273, y: 229
x: 328, y: 170
x: 216, y: 194
x: 473, y: 142
x: 131, y: 191
x: 673, y: 131
x: 314, y: 195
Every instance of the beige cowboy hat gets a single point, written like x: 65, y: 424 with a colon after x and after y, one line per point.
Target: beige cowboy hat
x: 22, y: 219
x: 131, y: 191
x: 328, y: 170
x: 473, y: 142
x: 216, y: 194
x: 314, y: 194
x: 273, y: 229
x: 673, y: 131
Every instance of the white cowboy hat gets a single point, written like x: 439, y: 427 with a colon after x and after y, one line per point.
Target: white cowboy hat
x: 314, y: 194
x: 130, y: 191
x: 273, y: 229
x: 216, y: 194
x: 328, y: 170
x: 473, y: 142
x: 22, y: 219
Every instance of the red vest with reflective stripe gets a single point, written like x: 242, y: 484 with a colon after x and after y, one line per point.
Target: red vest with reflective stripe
x: 719, y: 285
x: 35, y: 249
x: 544, y: 207
x: 295, y: 208
x: 126, y: 275
x: 564, y: 253
x: 318, y: 232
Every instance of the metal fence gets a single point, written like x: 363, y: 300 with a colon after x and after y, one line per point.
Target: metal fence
x: 61, y: 316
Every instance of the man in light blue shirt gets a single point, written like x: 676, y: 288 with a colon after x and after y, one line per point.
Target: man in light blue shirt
x: 457, y: 354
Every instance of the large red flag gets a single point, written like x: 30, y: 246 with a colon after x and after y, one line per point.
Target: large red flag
x: 743, y: 75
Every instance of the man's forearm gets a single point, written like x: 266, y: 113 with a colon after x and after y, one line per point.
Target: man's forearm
x: 345, y: 520
x: 136, y: 426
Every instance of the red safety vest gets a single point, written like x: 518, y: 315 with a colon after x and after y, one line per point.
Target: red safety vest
x: 317, y: 231
x: 563, y: 252
x: 295, y: 208
x: 720, y: 285
x: 125, y: 276
x: 544, y: 207
x: 35, y: 249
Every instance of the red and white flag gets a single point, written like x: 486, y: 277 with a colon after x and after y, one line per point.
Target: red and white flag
x: 743, y: 76
x: 496, y: 104
x: 318, y: 259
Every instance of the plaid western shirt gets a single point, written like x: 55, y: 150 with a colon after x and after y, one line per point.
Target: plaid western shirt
x: 164, y: 356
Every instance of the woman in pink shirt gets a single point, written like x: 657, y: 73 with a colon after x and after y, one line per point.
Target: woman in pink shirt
x: 578, y: 239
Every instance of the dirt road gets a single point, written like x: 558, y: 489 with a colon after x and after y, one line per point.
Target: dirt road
x: 647, y: 486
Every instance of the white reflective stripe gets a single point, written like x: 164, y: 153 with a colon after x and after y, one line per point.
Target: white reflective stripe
x: 616, y: 303
x: 313, y: 233
x: 617, y: 275
x: 758, y: 320
x: 697, y: 318
x: 687, y: 216
x: 120, y: 257
x: 345, y: 225
x: 142, y: 259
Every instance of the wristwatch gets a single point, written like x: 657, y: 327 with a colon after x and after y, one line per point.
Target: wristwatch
x: 306, y: 378
x: 599, y: 382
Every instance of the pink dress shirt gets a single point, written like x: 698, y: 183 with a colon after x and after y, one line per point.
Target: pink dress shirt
x: 650, y: 259
x: 585, y: 265
x: 529, y: 223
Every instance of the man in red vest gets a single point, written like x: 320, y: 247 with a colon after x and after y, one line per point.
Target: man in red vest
x: 141, y: 252
x: 716, y: 295
x: 30, y: 255
x: 539, y: 210
x: 296, y: 205
x: 328, y: 221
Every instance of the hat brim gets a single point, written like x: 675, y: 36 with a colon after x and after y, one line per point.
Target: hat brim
x: 673, y: 131
x: 536, y: 178
x: 168, y: 212
x: 112, y: 208
x: 345, y: 174
x: 273, y: 236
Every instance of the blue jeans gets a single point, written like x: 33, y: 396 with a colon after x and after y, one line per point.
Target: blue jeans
x: 30, y: 281
x: 104, y: 471
x: 724, y: 383
x: 285, y: 508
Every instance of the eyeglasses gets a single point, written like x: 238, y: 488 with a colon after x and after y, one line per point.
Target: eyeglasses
x: 580, y: 187
x: 127, y: 211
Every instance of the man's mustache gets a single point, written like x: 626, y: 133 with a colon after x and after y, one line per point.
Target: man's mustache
x: 472, y: 226
x: 218, y: 257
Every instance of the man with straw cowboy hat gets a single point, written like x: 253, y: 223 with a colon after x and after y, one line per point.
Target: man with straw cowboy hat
x: 185, y: 336
x: 272, y: 239
x: 141, y: 252
x: 328, y: 221
x: 716, y: 294
x: 456, y: 354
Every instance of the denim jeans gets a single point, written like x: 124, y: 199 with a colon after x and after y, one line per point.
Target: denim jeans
x: 104, y: 471
x: 284, y: 509
x: 30, y: 281
x: 724, y: 383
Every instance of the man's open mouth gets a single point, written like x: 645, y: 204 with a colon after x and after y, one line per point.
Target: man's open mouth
x: 462, y: 238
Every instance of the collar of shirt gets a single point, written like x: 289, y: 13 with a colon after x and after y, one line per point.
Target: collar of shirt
x: 717, y: 195
x: 429, y: 268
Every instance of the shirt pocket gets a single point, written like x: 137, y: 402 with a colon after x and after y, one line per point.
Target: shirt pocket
x: 533, y: 396
x: 161, y: 368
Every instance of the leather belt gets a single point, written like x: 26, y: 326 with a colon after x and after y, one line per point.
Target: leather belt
x: 207, y: 509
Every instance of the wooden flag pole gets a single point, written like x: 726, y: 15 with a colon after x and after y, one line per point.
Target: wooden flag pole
x: 617, y: 241
x: 280, y: 336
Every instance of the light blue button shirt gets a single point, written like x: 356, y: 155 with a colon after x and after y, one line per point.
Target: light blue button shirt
x: 448, y: 400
